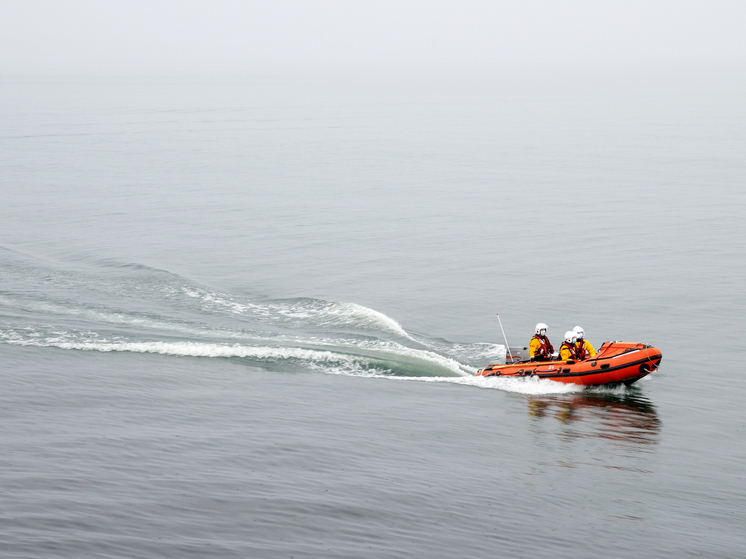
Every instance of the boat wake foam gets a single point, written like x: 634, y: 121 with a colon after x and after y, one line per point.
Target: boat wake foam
x: 367, y: 358
x: 118, y: 307
x: 522, y: 385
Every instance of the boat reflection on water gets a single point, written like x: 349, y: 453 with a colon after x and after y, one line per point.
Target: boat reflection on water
x: 625, y: 416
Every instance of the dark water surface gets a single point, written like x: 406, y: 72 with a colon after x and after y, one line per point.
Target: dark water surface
x: 239, y: 318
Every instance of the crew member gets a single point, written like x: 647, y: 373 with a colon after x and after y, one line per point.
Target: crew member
x: 540, y: 348
x: 568, y: 349
x: 583, y: 348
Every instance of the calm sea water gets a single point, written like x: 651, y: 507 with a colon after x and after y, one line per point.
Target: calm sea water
x: 239, y: 317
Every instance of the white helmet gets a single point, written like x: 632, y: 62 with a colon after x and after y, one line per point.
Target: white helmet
x: 578, y: 332
x: 539, y: 327
x: 569, y: 336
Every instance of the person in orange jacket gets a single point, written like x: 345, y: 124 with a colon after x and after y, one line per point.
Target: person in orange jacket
x: 568, y: 349
x: 583, y: 348
x: 540, y: 348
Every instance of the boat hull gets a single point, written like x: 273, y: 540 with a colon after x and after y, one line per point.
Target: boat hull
x: 615, y: 363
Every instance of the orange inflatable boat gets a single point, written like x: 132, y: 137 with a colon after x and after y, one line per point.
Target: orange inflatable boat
x: 615, y: 363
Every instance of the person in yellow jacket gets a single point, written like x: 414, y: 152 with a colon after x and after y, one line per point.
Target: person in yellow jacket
x: 583, y: 348
x: 568, y: 349
x: 540, y: 348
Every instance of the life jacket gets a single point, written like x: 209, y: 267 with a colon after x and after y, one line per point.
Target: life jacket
x: 572, y: 348
x: 581, y: 353
x: 546, y: 350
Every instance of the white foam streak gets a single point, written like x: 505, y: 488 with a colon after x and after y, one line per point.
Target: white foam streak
x: 320, y: 313
x: 195, y: 349
x: 369, y: 316
x: 393, y: 353
x: 522, y: 385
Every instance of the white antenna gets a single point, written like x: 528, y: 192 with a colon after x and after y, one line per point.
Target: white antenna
x: 504, y: 336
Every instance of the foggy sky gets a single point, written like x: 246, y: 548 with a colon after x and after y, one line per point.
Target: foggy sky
x: 112, y: 36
